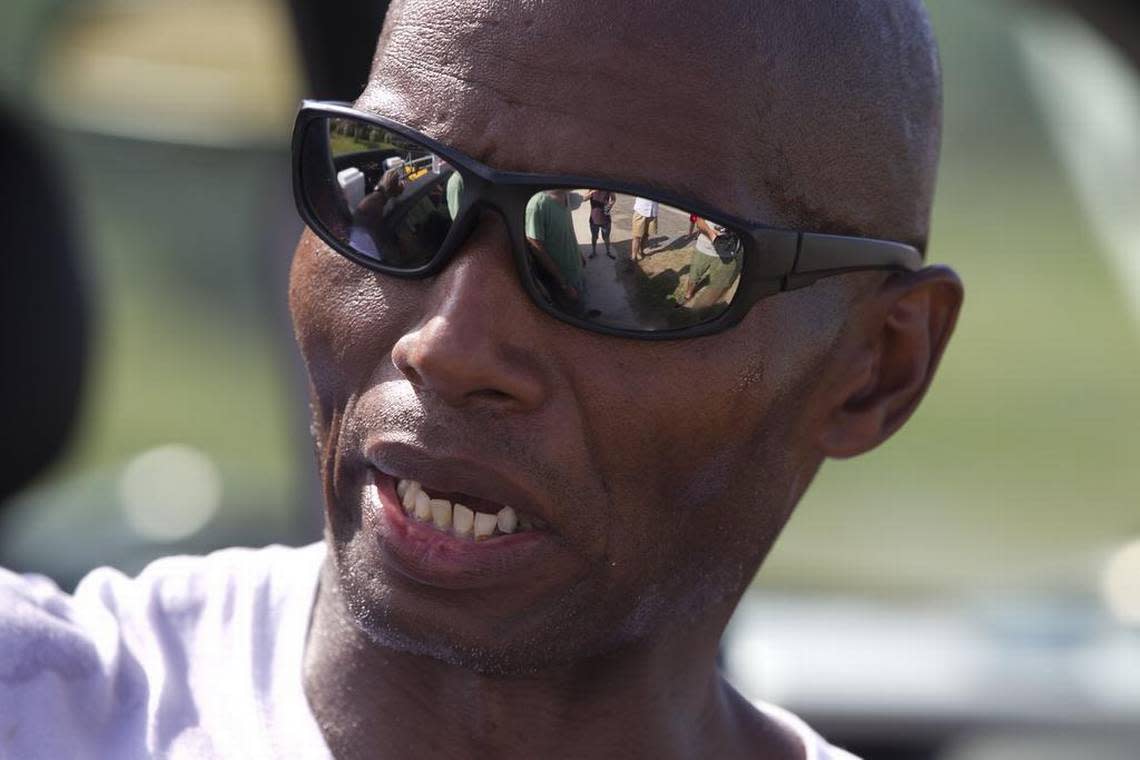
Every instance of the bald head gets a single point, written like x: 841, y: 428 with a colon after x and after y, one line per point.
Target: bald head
x: 817, y: 116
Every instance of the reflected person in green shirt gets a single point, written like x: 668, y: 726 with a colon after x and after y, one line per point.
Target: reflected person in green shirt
x: 550, y: 233
x: 454, y: 193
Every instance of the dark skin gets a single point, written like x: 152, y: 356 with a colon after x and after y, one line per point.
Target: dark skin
x: 658, y: 519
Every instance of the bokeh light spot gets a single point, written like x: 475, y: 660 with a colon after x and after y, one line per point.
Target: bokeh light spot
x: 1121, y: 584
x: 169, y: 493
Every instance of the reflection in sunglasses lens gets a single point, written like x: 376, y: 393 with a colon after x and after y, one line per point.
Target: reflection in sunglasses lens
x: 626, y: 262
x: 391, y: 200
x: 609, y: 259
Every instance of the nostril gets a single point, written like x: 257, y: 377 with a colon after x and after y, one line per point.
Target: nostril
x: 402, y: 359
x: 490, y: 394
x: 412, y: 375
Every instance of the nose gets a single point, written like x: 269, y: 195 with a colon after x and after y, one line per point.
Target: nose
x: 474, y: 342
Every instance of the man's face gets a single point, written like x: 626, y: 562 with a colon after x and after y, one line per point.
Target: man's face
x: 663, y: 470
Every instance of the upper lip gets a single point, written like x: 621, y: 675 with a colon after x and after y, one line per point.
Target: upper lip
x: 454, y: 474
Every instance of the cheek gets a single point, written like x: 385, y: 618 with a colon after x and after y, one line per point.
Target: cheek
x: 718, y: 441
x: 342, y: 319
x: 676, y: 417
x: 697, y: 436
x: 699, y: 466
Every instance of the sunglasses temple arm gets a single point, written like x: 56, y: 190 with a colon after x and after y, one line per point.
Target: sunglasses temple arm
x: 828, y: 255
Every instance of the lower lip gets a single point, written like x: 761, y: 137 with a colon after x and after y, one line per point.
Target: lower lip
x: 431, y: 557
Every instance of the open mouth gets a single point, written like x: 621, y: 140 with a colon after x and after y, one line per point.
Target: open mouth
x: 462, y: 516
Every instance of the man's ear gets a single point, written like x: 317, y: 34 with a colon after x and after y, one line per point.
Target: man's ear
x: 888, y: 359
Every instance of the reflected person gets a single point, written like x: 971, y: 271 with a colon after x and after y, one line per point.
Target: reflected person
x: 401, y: 218
x: 369, y: 215
x: 453, y: 194
x: 601, y: 219
x: 643, y: 225
x: 714, y: 266
x: 550, y: 234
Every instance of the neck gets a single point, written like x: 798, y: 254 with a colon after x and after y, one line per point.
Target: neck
x: 660, y: 699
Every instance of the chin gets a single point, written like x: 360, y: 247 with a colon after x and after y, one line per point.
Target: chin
x: 421, y: 622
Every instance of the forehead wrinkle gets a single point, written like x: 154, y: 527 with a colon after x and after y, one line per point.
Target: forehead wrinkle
x: 458, y: 42
x: 563, y: 149
x: 488, y: 62
x: 561, y: 145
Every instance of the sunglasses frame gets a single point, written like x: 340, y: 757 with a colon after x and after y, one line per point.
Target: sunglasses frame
x: 775, y: 260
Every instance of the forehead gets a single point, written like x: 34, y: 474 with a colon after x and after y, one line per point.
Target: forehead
x: 818, y: 116
x: 615, y: 92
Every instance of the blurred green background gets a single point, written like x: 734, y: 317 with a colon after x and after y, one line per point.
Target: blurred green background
x: 171, y: 122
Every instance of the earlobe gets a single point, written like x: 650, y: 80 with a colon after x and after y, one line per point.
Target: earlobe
x: 891, y: 360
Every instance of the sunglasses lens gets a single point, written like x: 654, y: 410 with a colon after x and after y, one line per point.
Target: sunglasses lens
x: 624, y: 262
x: 390, y: 200
x: 605, y: 258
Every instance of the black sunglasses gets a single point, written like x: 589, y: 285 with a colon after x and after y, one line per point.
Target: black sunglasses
x: 400, y: 203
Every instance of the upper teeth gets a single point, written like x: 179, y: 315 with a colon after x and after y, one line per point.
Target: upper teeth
x: 463, y: 521
x: 485, y: 525
x: 507, y: 520
x: 423, y: 506
x: 456, y: 518
x: 440, y: 513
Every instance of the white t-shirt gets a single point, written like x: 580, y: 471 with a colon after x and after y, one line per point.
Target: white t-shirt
x: 197, y: 657
x: 704, y: 245
x: 645, y: 207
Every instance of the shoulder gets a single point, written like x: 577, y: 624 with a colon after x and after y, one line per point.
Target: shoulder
x: 181, y: 580
x: 34, y: 612
x: 815, y: 747
x: 772, y: 731
x: 182, y: 588
x: 40, y: 629
x: 70, y: 663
